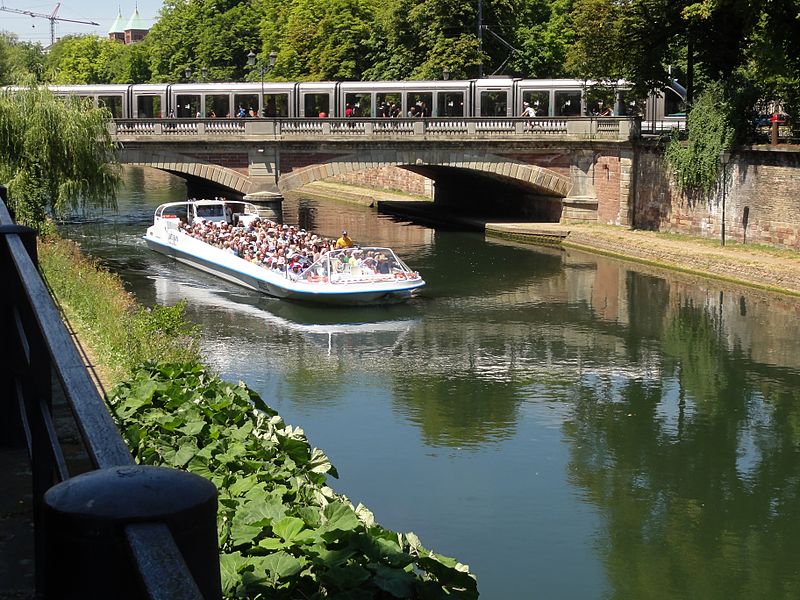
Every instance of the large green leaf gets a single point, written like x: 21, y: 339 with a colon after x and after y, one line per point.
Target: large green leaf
x: 280, y: 565
x: 397, y: 582
x: 261, y: 512
x: 229, y: 568
x: 292, y: 530
x: 339, y: 517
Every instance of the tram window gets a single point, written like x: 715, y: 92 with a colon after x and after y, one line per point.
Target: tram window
x: 422, y: 101
x: 218, y: 105
x: 188, y: 106
x: 450, y: 104
x: 148, y: 107
x: 629, y: 106
x: 276, y: 105
x: 113, y: 104
x: 316, y: 105
x: 673, y: 103
x: 384, y: 102
x: 360, y: 103
x: 599, y: 101
x: 246, y: 102
x: 539, y: 100
x: 494, y: 104
x: 568, y: 104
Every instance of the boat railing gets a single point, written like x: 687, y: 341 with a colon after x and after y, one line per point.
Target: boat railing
x: 148, y: 532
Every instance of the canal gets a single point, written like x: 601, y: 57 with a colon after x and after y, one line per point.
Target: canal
x: 570, y: 426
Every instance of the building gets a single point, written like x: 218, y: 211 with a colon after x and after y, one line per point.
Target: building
x: 133, y: 31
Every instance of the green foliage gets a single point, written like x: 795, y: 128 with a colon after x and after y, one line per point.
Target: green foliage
x: 120, y: 333
x: 207, y: 33
x: 87, y: 59
x: 19, y: 60
x: 696, y: 162
x: 54, y: 154
x: 283, y: 533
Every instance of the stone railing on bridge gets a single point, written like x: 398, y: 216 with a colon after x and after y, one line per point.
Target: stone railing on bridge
x: 541, y: 128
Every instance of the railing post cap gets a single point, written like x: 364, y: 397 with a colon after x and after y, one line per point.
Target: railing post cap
x: 129, y: 494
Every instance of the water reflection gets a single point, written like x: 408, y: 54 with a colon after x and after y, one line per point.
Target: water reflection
x: 570, y: 425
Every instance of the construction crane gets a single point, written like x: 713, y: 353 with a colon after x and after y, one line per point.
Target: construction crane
x: 51, y: 17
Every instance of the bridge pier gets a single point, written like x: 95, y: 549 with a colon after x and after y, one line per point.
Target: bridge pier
x: 582, y: 202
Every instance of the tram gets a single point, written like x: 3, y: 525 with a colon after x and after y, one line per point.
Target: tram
x: 489, y: 97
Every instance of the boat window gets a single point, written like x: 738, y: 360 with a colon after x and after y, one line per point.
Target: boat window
x: 539, y: 100
x: 218, y: 105
x: 389, y: 104
x: 421, y: 101
x: 247, y: 103
x: 568, y: 104
x: 360, y: 104
x: 494, y: 103
x: 113, y: 104
x: 188, y: 106
x: 316, y: 105
x: 148, y: 107
x: 276, y: 105
x: 450, y: 104
x: 209, y: 210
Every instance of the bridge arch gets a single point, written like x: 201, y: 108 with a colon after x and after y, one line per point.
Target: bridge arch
x: 189, y: 167
x: 537, y: 178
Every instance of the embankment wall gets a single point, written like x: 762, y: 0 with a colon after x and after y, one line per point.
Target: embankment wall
x: 760, y: 193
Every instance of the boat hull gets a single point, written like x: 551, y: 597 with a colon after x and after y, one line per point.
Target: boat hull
x: 238, y: 271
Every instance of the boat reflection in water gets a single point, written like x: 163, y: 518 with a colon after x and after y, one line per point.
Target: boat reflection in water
x: 386, y: 325
x: 348, y: 276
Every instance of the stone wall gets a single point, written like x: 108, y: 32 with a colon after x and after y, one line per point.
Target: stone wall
x: 389, y: 178
x: 760, y: 195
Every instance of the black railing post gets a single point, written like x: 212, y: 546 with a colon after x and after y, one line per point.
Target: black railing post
x: 96, y: 521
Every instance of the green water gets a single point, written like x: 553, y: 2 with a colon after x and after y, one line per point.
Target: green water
x: 568, y: 425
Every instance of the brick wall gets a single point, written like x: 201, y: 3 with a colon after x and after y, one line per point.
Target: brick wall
x: 292, y: 161
x: 761, y: 199
x: 388, y: 178
x: 237, y: 161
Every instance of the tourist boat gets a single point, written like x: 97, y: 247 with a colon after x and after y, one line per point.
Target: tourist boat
x: 357, y: 275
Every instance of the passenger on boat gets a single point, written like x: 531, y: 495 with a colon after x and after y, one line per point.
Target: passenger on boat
x: 344, y: 241
x: 263, y: 242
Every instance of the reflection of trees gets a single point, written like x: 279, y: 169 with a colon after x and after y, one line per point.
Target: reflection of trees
x: 463, y: 410
x: 698, y: 477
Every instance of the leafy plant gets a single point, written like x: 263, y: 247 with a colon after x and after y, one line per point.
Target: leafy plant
x: 696, y: 162
x: 55, y: 154
x: 283, y: 533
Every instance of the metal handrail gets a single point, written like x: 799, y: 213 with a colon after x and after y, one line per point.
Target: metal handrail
x: 39, y: 345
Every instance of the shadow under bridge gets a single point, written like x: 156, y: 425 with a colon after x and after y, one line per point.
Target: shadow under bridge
x: 486, y: 185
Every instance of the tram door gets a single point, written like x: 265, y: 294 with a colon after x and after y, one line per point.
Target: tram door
x: 493, y: 99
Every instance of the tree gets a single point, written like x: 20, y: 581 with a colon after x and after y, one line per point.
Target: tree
x: 213, y: 34
x: 55, y: 155
x: 19, y: 60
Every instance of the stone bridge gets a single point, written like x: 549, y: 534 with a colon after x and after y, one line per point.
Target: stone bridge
x: 543, y: 169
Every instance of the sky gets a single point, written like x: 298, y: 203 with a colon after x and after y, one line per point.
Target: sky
x: 100, y: 11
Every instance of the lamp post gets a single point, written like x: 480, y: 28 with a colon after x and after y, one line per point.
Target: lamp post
x: 252, y: 62
x: 187, y: 72
x: 445, y: 73
x: 724, y: 158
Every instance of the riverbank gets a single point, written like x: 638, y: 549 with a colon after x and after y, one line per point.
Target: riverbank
x: 754, y: 265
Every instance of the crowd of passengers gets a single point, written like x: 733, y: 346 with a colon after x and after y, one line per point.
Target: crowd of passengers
x: 287, y: 249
